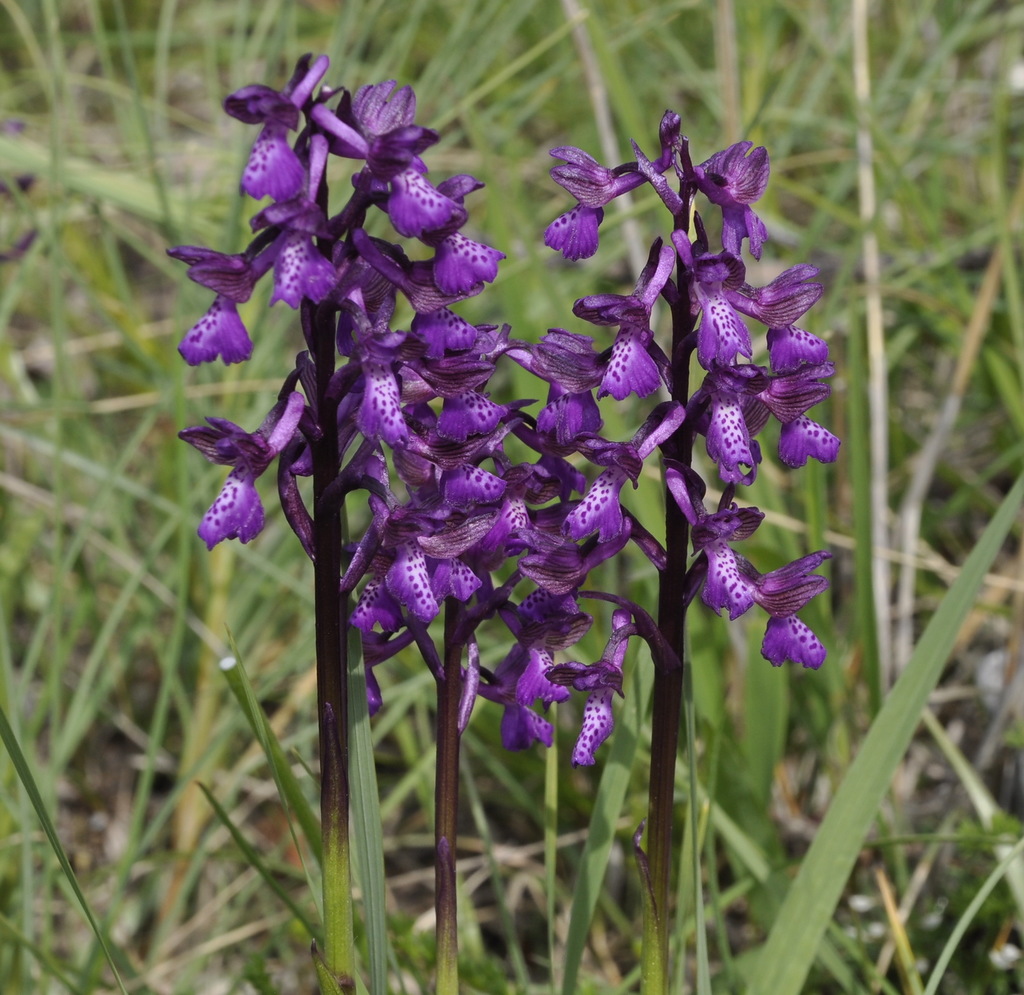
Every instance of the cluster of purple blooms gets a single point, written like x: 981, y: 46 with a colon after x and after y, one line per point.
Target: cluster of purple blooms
x: 454, y: 517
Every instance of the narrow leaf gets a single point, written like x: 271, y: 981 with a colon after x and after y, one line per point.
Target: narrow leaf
x: 785, y: 961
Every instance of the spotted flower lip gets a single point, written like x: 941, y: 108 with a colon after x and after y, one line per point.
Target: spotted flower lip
x: 574, y: 233
x: 602, y: 680
x: 237, y: 513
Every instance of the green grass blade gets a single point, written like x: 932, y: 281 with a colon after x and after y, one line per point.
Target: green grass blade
x: 968, y: 917
x: 28, y: 781
x: 253, y: 859
x: 287, y: 783
x: 367, y: 835
x: 981, y: 798
x: 784, y: 962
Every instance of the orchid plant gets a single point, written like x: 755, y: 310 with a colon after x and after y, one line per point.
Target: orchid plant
x: 387, y: 405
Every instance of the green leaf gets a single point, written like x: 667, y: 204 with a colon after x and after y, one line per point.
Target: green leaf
x: 783, y: 964
x: 253, y: 859
x: 288, y: 786
x: 25, y: 774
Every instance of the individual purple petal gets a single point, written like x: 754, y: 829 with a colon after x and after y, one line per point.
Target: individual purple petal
x: 460, y: 264
x: 376, y: 606
x: 722, y: 335
x: 790, y: 639
x: 533, y: 684
x: 728, y: 440
x: 521, y: 727
x: 344, y: 140
x: 415, y: 206
x: 803, y: 437
x: 443, y: 329
x: 220, y: 332
x: 784, y: 591
x: 301, y: 271
x: 790, y: 347
x: 564, y: 358
x: 231, y: 276
x: 380, y: 108
x: 273, y: 168
x: 569, y: 415
x: 409, y: 581
x: 733, y: 177
x: 600, y: 509
x: 380, y: 413
x: 783, y: 301
x: 468, y: 413
x: 574, y: 233
x: 259, y: 104
x: 451, y: 578
x: 630, y: 368
x: 300, y: 87
x: 789, y: 395
x: 237, y: 512
x: 592, y: 184
x: 598, y: 722
x: 468, y: 485
x: 726, y: 586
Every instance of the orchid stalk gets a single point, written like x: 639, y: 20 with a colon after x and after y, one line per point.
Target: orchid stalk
x: 708, y: 299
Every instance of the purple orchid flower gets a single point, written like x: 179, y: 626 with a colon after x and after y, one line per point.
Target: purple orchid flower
x: 237, y: 513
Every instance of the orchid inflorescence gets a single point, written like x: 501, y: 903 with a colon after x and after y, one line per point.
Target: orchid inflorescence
x: 455, y: 517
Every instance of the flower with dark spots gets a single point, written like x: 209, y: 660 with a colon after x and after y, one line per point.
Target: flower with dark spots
x: 600, y: 509
x: 726, y: 391
x: 460, y: 264
x: 220, y: 333
x: 380, y: 412
x: 722, y: 334
x: 789, y: 347
x: 273, y: 168
x: 574, y: 233
x: 466, y: 486
x: 377, y: 606
x: 790, y: 639
x: 443, y: 330
x: 602, y: 680
x: 802, y: 438
x: 469, y: 413
x: 630, y: 368
x: 300, y: 270
x: 416, y: 206
x: 237, y: 513
x: 408, y: 581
